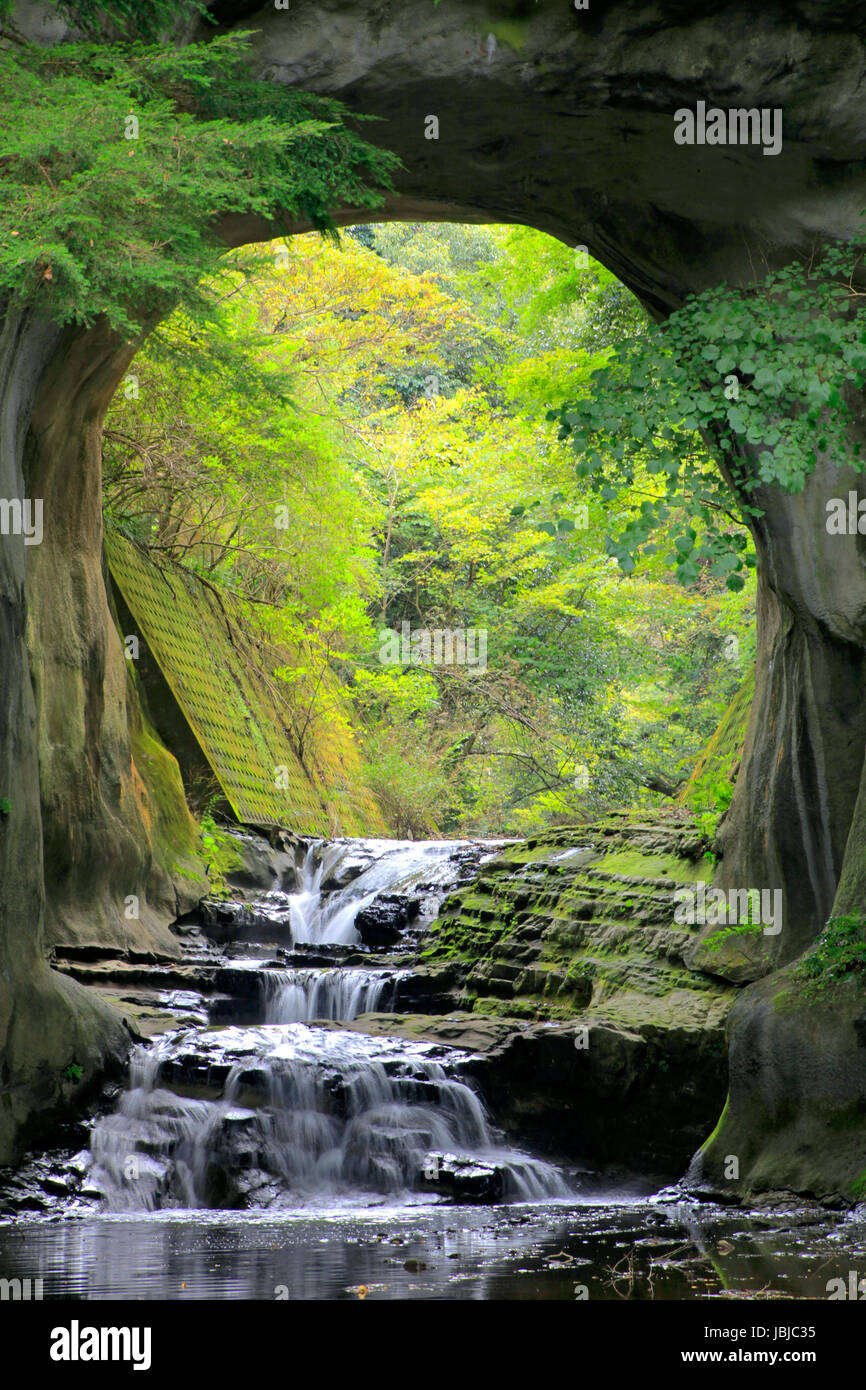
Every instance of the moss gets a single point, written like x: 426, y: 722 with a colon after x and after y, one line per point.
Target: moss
x: 858, y: 1186
x: 725, y: 935
x: 511, y: 32
x: 159, y: 790
x: 222, y: 854
x: 851, y: 1116
x: 714, y: 773
x: 220, y: 671
x: 839, y: 952
x: 463, y: 938
x: 526, y: 1008
x: 658, y: 866
x: 580, y: 973
x: 545, y: 936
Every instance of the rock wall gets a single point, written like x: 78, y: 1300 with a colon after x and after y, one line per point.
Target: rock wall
x: 573, y: 932
x: 562, y: 119
x: 796, y: 1114
x: 60, y: 769
x: 719, y: 763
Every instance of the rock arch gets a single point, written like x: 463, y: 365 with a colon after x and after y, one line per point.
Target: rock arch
x: 564, y: 121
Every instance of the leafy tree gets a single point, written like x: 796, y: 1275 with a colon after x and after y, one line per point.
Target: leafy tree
x: 485, y: 529
x: 134, y: 19
x: 726, y: 374
x: 95, y: 224
x: 454, y: 507
x: 233, y: 447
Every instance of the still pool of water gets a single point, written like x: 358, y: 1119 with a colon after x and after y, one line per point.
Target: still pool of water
x: 641, y: 1249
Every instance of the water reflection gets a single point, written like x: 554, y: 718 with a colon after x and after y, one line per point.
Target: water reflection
x: 642, y: 1250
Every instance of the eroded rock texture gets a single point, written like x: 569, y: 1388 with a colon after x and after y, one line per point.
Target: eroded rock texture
x: 550, y: 116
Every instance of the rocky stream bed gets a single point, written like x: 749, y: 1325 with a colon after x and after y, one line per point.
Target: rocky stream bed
x: 444, y: 1068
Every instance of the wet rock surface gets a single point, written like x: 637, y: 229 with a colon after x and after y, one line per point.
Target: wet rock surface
x: 571, y: 936
x: 289, y: 895
x: 552, y: 980
x: 383, y: 922
x: 247, y: 1105
x: 228, y: 1111
x: 282, y: 1116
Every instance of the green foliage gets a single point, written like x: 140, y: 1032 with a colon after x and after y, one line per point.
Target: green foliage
x: 235, y: 455
x: 73, y: 1072
x: 725, y: 376
x: 5, y: 806
x: 839, y: 952
x: 220, y: 853
x: 307, y: 393
x: 710, y: 804
x: 412, y: 791
x: 597, y: 688
x: 137, y: 19
x: 734, y: 929
x: 96, y: 224
x: 710, y: 788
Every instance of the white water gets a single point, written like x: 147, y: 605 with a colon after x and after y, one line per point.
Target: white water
x: 297, y: 996
x: 286, y: 1114
x: 399, y: 865
x: 303, y: 1113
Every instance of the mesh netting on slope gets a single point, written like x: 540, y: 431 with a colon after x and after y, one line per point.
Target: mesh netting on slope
x: 220, y: 673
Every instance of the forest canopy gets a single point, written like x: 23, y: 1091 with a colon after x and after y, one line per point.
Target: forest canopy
x: 357, y: 440
x: 364, y: 436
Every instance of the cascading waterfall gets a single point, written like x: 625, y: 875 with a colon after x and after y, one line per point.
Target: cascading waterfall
x: 316, y: 917
x: 300, y: 1114
x: 286, y: 1115
x: 297, y: 996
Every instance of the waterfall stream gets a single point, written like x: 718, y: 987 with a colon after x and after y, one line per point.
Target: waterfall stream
x: 282, y: 1137
x: 318, y: 916
x: 296, y: 996
x: 298, y: 1110
x: 300, y: 1113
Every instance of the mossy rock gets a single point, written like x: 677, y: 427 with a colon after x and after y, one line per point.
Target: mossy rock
x: 719, y: 762
x: 796, y: 1113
